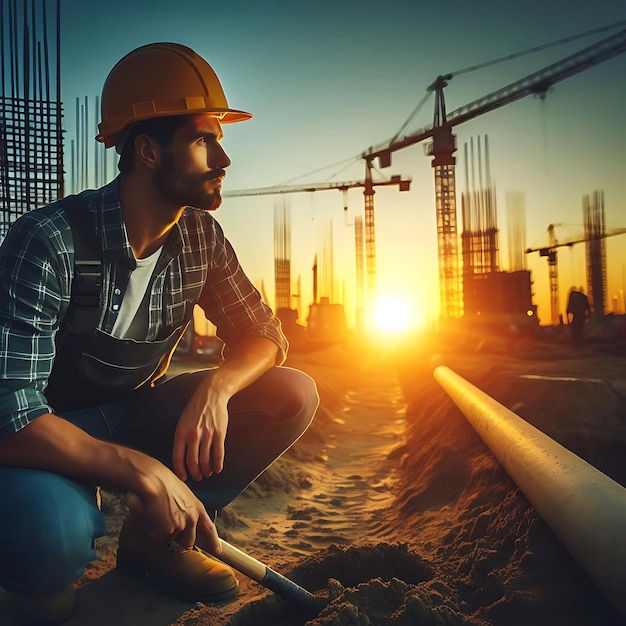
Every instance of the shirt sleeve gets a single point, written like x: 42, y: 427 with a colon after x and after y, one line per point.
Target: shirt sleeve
x: 233, y: 304
x: 29, y: 312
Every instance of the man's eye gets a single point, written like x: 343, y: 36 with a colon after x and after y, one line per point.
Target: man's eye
x: 209, y: 139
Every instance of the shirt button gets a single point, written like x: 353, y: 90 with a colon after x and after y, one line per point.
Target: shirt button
x: 116, y: 307
x: 117, y: 291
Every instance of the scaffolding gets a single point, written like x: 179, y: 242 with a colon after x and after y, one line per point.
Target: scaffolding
x: 479, y: 238
x: 31, y: 135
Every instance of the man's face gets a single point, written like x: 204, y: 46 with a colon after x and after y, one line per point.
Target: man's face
x: 192, y: 168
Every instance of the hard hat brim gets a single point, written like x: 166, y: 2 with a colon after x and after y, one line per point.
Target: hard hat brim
x: 108, y: 131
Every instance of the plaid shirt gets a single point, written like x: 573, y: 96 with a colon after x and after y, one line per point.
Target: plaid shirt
x: 198, y: 265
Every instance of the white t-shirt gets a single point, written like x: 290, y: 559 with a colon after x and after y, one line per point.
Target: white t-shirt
x: 132, y: 320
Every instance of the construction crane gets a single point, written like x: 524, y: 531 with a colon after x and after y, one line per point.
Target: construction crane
x: 550, y: 251
x: 443, y: 146
x: 403, y: 184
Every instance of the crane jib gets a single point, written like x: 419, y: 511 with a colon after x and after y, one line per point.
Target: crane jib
x: 536, y: 83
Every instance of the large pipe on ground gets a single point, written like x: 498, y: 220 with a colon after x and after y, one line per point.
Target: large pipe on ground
x: 584, y: 508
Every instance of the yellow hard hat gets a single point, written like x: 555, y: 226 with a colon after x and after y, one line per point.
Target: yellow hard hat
x: 159, y: 80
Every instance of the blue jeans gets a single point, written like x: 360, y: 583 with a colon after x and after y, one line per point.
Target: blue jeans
x: 48, y: 523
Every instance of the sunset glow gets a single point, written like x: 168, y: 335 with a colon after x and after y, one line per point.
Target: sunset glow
x: 392, y: 314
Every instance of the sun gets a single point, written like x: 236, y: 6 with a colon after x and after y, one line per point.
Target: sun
x: 392, y: 314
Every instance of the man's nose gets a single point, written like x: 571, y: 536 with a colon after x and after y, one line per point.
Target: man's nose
x: 217, y: 158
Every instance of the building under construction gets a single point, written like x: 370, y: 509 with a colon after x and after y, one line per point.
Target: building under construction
x: 31, y: 136
x: 488, y: 291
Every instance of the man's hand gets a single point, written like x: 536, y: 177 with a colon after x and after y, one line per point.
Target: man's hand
x: 177, y: 515
x: 198, y: 449
x: 56, y: 445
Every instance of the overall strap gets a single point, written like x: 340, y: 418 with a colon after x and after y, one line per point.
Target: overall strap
x: 83, y: 313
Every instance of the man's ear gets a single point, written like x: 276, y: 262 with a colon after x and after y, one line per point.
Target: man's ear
x: 147, y: 151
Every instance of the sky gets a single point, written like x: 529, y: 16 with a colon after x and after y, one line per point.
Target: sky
x: 326, y: 80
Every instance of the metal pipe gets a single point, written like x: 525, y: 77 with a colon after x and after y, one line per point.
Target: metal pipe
x: 584, y: 508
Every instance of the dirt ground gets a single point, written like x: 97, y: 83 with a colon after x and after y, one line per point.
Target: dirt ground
x: 391, y: 510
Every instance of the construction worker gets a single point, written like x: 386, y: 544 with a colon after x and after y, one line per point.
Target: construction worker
x: 578, y: 312
x: 96, y: 291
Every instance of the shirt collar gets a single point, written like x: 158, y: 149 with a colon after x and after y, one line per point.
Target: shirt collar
x: 110, y: 220
x: 115, y: 244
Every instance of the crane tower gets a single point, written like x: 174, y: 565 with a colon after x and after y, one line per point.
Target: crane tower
x: 442, y: 150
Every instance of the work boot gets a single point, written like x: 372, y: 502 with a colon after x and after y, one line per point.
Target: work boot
x: 188, y: 574
x: 47, y: 610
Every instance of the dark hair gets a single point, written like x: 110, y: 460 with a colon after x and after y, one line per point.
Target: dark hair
x: 161, y: 129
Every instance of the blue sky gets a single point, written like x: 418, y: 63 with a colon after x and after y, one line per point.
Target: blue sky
x: 325, y: 80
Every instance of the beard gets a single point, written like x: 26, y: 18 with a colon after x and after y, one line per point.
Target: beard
x: 187, y: 189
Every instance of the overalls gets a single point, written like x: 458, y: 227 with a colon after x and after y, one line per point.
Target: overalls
x: 106, y: 386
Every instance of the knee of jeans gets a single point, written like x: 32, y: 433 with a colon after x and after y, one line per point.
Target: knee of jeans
x: 297, y: 396
x: 48, y: 536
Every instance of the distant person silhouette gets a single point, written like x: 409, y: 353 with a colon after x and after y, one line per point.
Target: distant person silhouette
x: 578, y: 311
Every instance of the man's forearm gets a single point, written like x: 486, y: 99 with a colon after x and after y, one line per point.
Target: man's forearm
x: 54, y: 444
x: 244, y: 364
x: 198, y: 449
